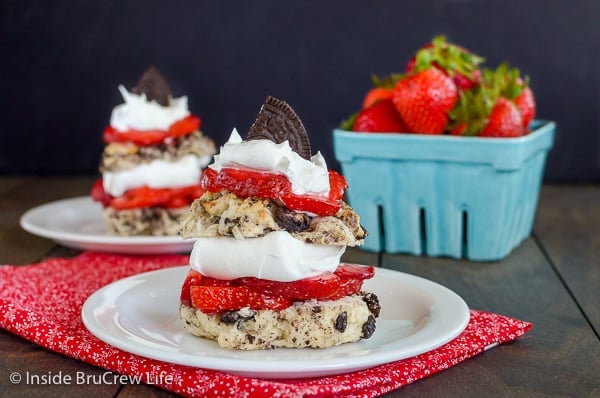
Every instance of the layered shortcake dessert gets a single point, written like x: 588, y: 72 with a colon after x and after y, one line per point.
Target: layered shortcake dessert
x: 272, y: 226
x: 152, y: 160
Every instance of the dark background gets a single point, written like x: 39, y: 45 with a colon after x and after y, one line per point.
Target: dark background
x: 61, y: 63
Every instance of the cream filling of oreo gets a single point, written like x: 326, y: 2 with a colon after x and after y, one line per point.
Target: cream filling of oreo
x: 276, y: 256
x: 306, y: 177
x: 137, y: 113
x: 156, y: 174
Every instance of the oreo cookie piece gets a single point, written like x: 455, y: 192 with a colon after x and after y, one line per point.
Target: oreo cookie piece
x: 155, y: 86
x: 278, y: 122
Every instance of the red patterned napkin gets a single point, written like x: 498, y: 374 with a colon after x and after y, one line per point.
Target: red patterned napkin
x: 42, y: 303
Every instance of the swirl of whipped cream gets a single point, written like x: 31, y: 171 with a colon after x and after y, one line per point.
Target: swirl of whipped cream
x: 306, y: 176
x: 276, y: 256
x: 156, y: 174
x: 137, y: 113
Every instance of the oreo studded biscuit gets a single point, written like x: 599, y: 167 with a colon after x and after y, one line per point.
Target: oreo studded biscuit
x: 155, y: 86
x: 278, y: 122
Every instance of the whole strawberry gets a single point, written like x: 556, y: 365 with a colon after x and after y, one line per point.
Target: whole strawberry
x: 381, y: 117
x: 492, y: 108
x: 423, y: 100
x: 504, y: 120
x: 383, y: 88
x: 456, y: 61
x: 526, y: 104
x: 377, y: 94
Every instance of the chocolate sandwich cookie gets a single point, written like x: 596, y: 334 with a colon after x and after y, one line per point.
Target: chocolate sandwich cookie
x: 154, y: 85
x: 278, y: 122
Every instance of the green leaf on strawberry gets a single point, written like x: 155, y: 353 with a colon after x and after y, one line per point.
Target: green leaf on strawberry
x: 348, y: 123
x: 456, y: 61
x: 388, y: 81
x: 483, y: 110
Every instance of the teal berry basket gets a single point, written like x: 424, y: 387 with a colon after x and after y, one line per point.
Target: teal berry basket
x: 462, y: 197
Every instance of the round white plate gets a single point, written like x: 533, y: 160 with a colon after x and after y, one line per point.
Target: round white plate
x: 78, y: 223
x: 139, y: 314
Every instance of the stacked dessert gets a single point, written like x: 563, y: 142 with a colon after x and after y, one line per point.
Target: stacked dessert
x: 152, y: 160
x: 272, y: 226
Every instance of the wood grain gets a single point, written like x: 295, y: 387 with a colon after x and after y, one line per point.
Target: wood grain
x: 19, y: 246
x: 568, y: 228
x: 523, y: 286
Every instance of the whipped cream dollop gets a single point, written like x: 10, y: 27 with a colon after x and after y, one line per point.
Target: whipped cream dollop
x: 137, y: 113
x: 276, y: 256
x: 306, y: 176
x: 156, y: 174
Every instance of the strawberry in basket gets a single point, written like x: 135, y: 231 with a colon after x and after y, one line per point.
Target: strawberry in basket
x: 445, y: 91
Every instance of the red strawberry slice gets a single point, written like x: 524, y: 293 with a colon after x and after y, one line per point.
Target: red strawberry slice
x: 185, y: 126
x: 246, y: 183
x: 212, y: 295
x: 317, y: 287
x: 346, y: 287
x: 347, y: 279
x: 193, y: 278
x: 354, y: 271
x: 211, y: 299
x: 423, y: 100
x: 504, y: 121
x: 381, y: 117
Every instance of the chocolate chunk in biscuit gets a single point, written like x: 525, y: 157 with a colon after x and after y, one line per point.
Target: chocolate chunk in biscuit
x: 341, y: 322
x: 372, y: 303
x: 154, y: 86
x: 291, y: 221
x: 369, y: 327
x: 278, y: 122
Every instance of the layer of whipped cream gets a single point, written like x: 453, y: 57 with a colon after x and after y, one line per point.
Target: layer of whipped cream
x: 276, y: 256
x: 137, y: 113
x: 156, y: 174
x: 306, y: 176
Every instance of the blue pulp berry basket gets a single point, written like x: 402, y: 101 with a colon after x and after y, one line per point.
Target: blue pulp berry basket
x: 462, y: 197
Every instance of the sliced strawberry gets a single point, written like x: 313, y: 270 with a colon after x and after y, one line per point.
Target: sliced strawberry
x: 311, y: 204
x: 140, y: 197
x: 354, y: 271
x: 151, y: 197
x: 346, y: 287
x: 317, y: 287
x: 381, y: 117
x: 98, y: 193
x: 193, y: 278
x: 214, y: 295
x: 247, y: 183
x: 170, y: 198
x: 351, y: 277
x: 211, y: 299
x: 346, y: 280
x: 424, y: 99
x: 185, y: 126
x: 317, y: 204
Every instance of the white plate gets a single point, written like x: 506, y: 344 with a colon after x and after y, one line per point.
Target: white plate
x: 78, y: 223
x: 139, y: 314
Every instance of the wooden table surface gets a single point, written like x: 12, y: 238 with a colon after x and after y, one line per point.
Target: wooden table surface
x: 552, y: 280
